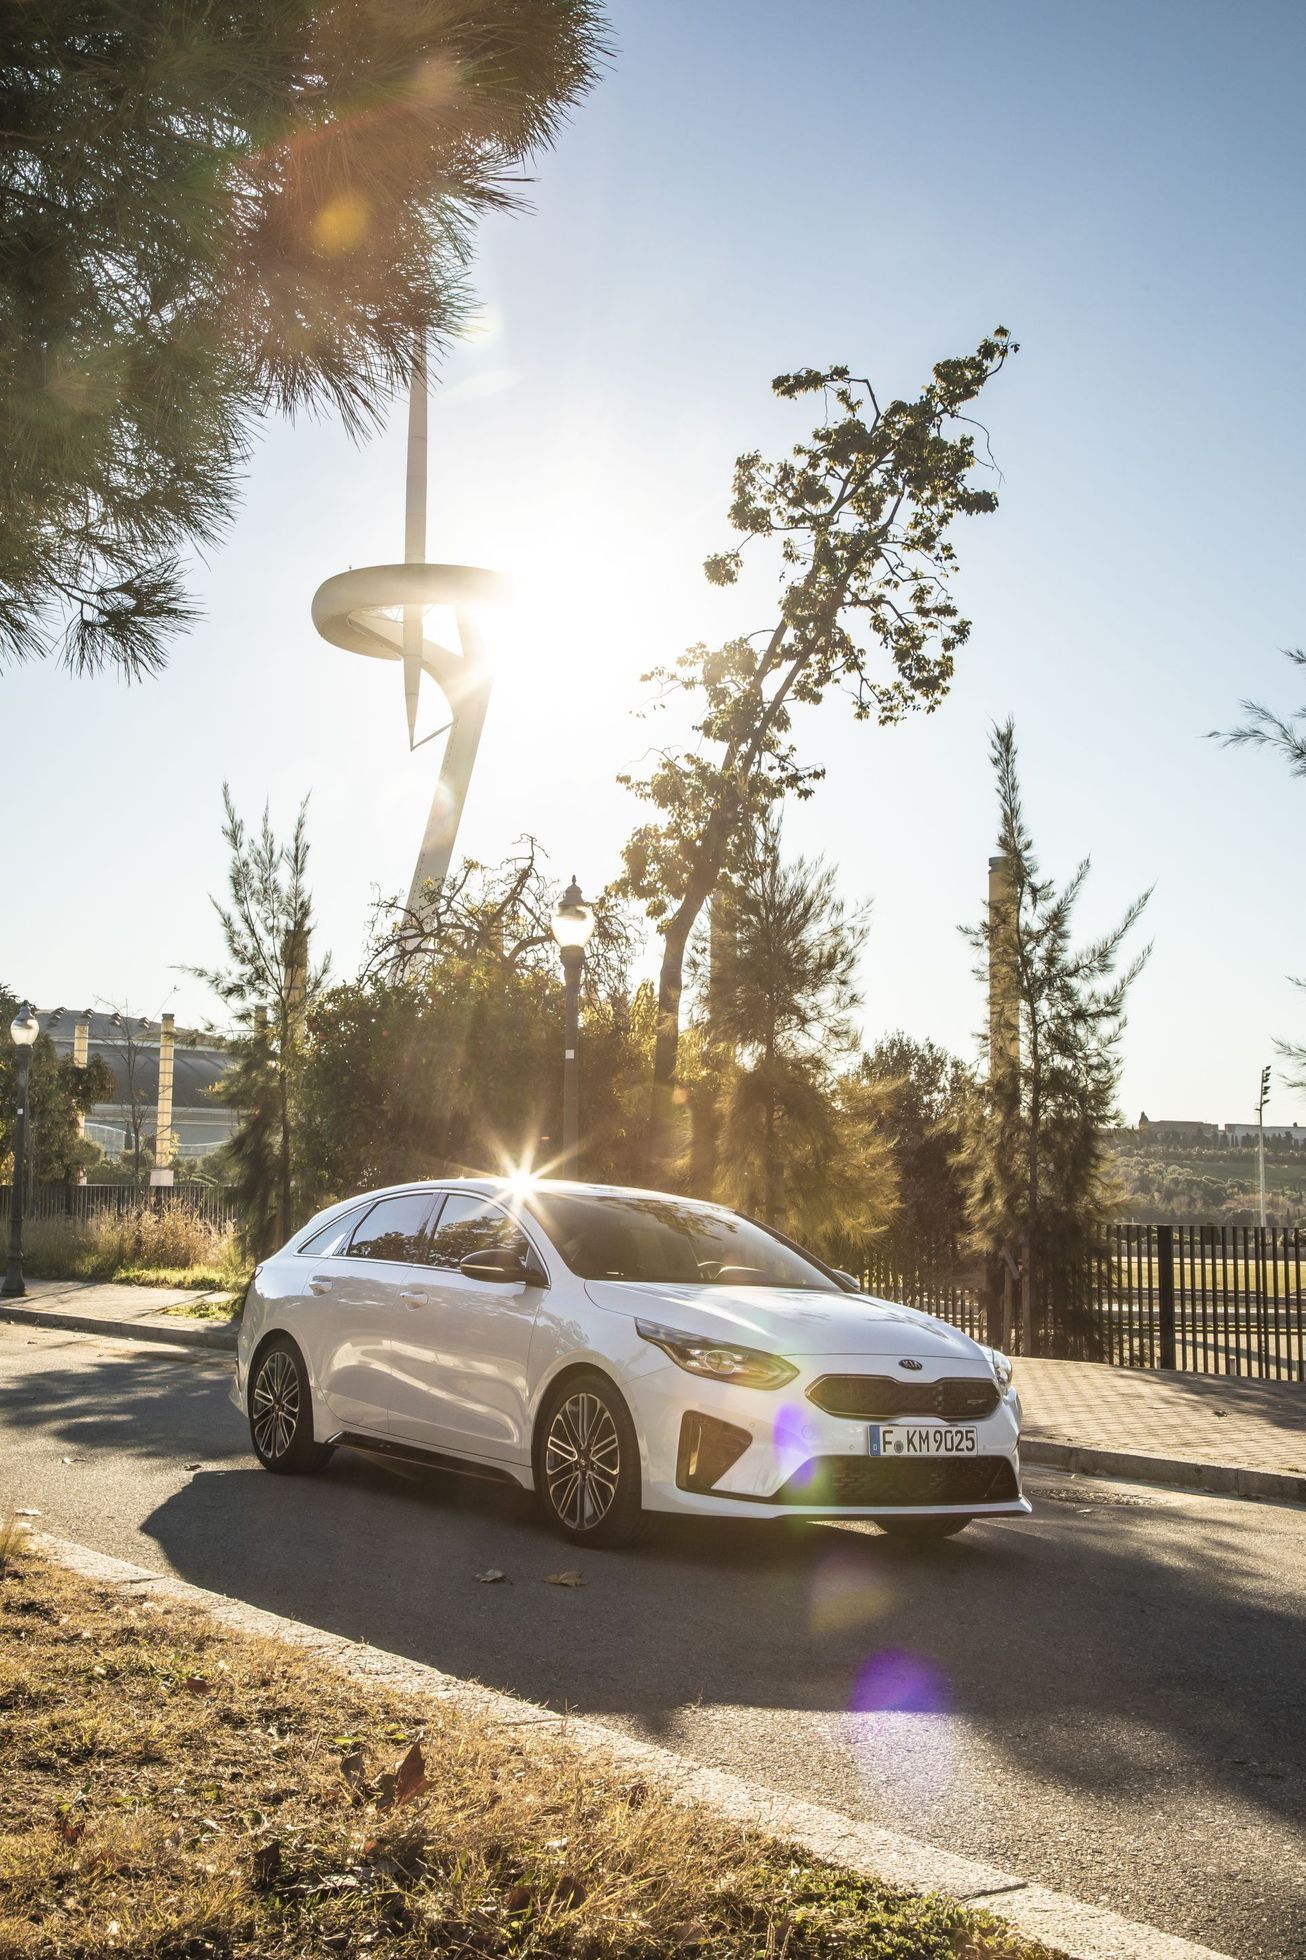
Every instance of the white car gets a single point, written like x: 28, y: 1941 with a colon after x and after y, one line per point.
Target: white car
x: 620, y: 1352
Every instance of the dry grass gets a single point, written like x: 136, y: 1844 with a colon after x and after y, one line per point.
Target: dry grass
x: 172, y: 1790
x: 163, y: 1245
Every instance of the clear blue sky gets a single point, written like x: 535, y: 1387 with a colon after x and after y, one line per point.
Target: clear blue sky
x: 755, y: 187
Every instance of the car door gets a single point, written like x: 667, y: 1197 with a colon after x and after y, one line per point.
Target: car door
x: 458, y: 1378
x: 361, y: 1291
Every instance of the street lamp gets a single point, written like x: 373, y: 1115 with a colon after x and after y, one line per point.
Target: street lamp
x: 572, y: 924
x: 23, y: 1030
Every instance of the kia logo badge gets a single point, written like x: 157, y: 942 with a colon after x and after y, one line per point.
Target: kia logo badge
x: 915, y: 1366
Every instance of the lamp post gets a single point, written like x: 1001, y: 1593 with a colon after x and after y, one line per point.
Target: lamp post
x: 23, y: 1030
x: 572, y: 924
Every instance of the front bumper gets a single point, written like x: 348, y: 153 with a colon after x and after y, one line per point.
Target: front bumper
x: 775, y: 1454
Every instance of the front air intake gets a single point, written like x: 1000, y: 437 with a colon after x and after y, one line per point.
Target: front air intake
x: 708, y: 1448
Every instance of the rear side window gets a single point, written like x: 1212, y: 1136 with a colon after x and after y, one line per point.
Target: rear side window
x: 395, y: 1229
x: 329, y: 1237
x: 471, y: 1224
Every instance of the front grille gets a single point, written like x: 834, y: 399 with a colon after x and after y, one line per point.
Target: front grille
x: 864, y: 1481
x: 958, y: 1398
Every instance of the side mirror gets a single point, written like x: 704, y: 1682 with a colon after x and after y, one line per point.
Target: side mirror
x: 501, y: 1264
x: 849, y: 1281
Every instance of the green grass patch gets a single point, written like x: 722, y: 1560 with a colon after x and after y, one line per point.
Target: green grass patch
x: 225, y: 1308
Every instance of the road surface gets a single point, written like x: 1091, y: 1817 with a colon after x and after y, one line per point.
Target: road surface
x: 1107, y: 1698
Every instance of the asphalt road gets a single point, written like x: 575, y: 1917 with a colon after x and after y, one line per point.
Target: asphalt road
x: 1108, y: 1698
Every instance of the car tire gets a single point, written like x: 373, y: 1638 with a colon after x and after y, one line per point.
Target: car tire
x: 281, y: 1411
x: 923, y: 1530
x: 586, y: 1421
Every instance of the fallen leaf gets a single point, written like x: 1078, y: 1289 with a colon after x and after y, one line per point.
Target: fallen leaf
x: 401, y: 1785
x: 26, y: 1513
x: 351, y: 1767
x: 517, y: 1898
x: 71, y: 1828
x: 196, y: 1683
x: 491, y: 1576
x: 267, y: 1863
x: 77, y: 1459
x: 565, y: 1579
x: 570, y: 1892
x: 192, y: 1466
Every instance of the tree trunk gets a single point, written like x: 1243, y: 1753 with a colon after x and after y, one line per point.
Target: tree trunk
x: 671, y: 984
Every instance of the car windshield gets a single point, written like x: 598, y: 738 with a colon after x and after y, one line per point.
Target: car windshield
x: 627, y: 1237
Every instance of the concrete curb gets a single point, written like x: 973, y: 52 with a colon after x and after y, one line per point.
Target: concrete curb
x: 1223, y: 1479
x: 205, y: 1334
x: 1075, y: 1929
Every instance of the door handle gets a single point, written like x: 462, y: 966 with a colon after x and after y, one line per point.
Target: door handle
x: 319, y: 1283
x: 412, y: 1298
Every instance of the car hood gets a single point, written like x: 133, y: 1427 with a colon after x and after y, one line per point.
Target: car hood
x: 792, y: 1321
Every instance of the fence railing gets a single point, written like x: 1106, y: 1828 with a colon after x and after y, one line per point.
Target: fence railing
x: 1205, y: 1299
x: 82, y: 1200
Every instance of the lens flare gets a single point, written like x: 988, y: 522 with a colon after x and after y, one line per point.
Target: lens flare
x: 787, y: 1432
x: 896, y: 1681
x: 849, y: 1592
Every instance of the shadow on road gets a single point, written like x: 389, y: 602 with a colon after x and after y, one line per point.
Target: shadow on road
x: 1105, y: 1645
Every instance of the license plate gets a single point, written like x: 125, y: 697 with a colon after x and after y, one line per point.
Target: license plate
x: 922, y: 1439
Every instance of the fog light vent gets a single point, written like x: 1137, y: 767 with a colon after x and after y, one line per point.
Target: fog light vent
x: 708, y: 1447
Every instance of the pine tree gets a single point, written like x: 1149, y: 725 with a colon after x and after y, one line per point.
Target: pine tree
x: 925, y: 1091
x: 859, y: 516
x: 211, y: 213
x: 269, y: 986
x: 799, y: 1143
x: 1035, y: 1154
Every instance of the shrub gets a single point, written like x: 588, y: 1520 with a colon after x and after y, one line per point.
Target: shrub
x: 164, y: 1245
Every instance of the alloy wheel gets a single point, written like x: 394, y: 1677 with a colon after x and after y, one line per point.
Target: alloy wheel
x: 582, y: 1462
x: 275, y: 1409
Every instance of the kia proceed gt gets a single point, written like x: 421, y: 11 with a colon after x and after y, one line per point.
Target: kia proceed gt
x: 620, y: 1353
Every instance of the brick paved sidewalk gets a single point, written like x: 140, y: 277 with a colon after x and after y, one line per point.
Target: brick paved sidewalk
x: 1202, y: 1418
x: 138, y: 1308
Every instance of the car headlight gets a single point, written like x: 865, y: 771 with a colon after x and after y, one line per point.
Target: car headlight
x: 720, y: 1361
x: 1001, y: 1366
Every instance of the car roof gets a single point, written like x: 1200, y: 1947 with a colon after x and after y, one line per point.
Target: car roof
x: 494, y: 1187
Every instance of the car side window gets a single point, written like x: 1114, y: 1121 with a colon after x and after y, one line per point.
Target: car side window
x: 472, y: 1224
x: 395, y: 1229
x: 329, y: 1237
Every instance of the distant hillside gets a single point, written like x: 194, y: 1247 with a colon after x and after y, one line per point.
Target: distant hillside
x: 1162, y: 1180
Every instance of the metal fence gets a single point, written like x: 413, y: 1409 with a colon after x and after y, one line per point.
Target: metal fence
x: 82, y: 1200
x: 1205, y: 1299
x: 1209, y: 1299
x: 935, y: 1278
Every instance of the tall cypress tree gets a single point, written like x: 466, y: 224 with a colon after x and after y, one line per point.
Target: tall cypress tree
x: 1034, y: 1152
